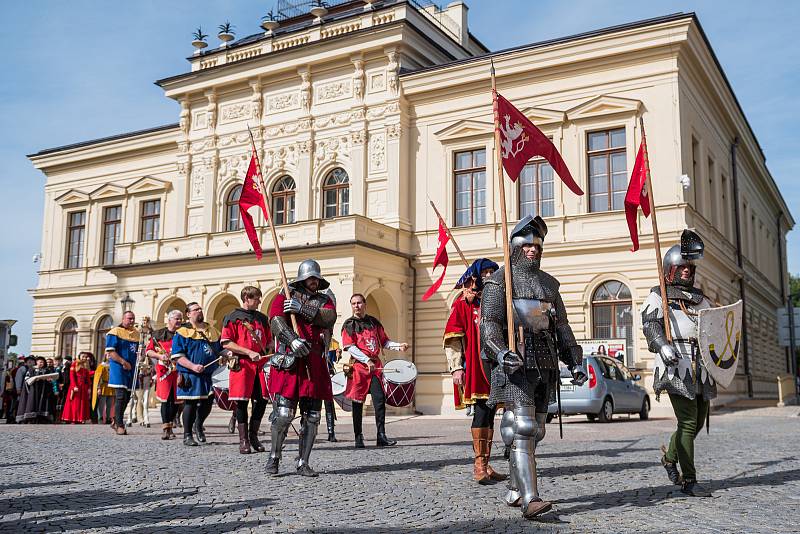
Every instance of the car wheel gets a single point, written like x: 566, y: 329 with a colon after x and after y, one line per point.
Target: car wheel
x: 550, y: 417
x: 591, y: 417
x: 644, y: 413
x: 606, y: 411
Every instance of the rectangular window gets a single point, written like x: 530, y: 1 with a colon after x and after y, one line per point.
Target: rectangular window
x: 696, y: 173
x: 151, y: 215
x: 712, y: 204
x: 76, y: 234
x: 536, y: 189
x: 112, y: 222
x: 724, y: 206
x: 608, y: 169
x: 469, y: 175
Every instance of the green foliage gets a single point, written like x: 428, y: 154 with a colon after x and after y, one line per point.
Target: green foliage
x: 226, y: 28
x: 199, y: 35
x: 794, y: 288
x: 269, y: 16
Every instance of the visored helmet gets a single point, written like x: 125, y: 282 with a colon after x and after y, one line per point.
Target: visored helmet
x: 686, y: 253
x: 528, y: 231
x: 310, y: 269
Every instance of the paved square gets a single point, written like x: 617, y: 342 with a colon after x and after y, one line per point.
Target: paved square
x: 602, y: 477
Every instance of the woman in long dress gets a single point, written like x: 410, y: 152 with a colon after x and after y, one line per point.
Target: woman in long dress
x: 76, y: 405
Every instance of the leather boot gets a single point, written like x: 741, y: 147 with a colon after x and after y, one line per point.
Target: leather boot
x: 479, y: 473
x: 165, y: 431
x: 383, y: 441
x: 244, y: 442
x: 671, y: 468
x: 171, y: 434
x: 534, y: 508
x: 494, y: 475
x: 189, y: 441
x: 253, y: 436
x: 232, y: 423
x: 329, y: 419
x: 359, y: 441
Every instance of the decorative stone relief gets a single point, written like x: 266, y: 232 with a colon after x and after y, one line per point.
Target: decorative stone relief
x: 391, y: 72
x: 289, y: 128
x: 183, y: 147
x: 394, y: 131
x: 234, y: 166
x: 377, y: 152
x: 283, y: 102
x: 211, y: 109
x: 305, y: 89
x: 183, y: 168
x: 358, y: 138
x: 234, y: 139
x: 381, y: 111
x: 331, y: 91
x: 234, y: 112
x: 358, y: 80
x: 279, y: 157
x: 339, y: 119
x: 304, y: 147
x: 185, y: 117
x: 198, y: 184
x: 377, y: 83
x: 256, y: 100
x: 199, y: 120
x: 332, y: 148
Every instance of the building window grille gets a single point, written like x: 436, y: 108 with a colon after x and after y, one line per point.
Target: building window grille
x: 336, y: 194
x: 76, y: 235
x: 469, y: 174
x: 112, y: 222
x: 283, y: 201
x: 608, y: 172
x: 151, y: 216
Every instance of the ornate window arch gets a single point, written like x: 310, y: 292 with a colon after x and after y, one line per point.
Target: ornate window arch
x: 612, y: 314
x: 68, y: 338
x: 283, y: 194
x: 233, y: 219
x: 103, y: 326
x: 336, y: 194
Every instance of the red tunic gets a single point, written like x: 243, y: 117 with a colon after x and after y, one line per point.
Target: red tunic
x: 463, y: 323
x: 369, y: 336
x: 253, y: 335
x: 166, y: 378
x: 76, y: 405
x: 309, y: 376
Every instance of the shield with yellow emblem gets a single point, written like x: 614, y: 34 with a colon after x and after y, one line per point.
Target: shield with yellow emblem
x: 719, y: 336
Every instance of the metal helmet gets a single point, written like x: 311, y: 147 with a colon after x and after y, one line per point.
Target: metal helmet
x: 528, y: 231
x: 690, y: 249
x: 310, y: 269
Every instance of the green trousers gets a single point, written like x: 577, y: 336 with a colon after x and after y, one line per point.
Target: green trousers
x: 691, y: 415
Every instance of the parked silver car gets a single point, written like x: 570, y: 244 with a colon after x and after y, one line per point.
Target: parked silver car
x: 611, y: 389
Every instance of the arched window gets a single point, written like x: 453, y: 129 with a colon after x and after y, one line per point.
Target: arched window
x: 69, y: 339
x: 336, y: 194
x: 232, y: 219
x: 612, y: 314
x: 283, y: 201
x: 103, y: 326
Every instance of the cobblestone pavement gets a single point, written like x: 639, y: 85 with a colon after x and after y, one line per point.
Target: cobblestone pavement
x: 602, y: 477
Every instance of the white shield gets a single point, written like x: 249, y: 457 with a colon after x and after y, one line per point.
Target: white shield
x: 719, y: 333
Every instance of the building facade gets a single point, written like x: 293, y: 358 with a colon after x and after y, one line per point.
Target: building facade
x: 364, y: 116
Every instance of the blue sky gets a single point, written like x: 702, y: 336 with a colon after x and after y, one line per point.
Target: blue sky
x: 79, y: 70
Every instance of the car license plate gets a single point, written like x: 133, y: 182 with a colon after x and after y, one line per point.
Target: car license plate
x: 567, y: 387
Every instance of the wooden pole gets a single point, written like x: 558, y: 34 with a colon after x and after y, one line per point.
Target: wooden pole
x: 452, y: 239
x: 503, y: 218
x: 656, y: 241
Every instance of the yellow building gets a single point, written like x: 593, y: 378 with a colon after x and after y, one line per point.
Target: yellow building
x: 362, y: 116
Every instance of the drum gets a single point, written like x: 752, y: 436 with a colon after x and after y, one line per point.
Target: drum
x: 220, y: 380
x: 339, y: 385
x: 399, y: 382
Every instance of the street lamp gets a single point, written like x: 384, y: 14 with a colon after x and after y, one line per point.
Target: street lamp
x: 127, y: 303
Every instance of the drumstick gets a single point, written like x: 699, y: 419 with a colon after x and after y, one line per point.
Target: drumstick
x: 212, y: 363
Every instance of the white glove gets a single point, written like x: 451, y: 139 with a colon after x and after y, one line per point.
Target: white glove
x: 292, y: 306
x: 300, y: 347
x: 668, y: 355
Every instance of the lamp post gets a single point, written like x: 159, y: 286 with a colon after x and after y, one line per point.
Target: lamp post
x: 127, y: 303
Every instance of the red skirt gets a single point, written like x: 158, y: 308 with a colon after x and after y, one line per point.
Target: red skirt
x: 166, y: 384
x: 243, y: 380
x: 295, y: 382
x: 358, y: 383
x: 76, y: 408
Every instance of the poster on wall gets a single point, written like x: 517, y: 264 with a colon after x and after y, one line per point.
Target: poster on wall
x: 614, y: 348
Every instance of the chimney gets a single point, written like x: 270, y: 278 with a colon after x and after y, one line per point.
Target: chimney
x: 458, y: 12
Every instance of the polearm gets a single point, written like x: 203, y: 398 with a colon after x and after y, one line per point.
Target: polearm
x: 271, y: 224
x: 656, y: 241
x: 504, y: 221
x: 447, y: 229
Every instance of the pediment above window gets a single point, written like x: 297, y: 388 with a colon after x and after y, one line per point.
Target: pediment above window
x: 465, y: 128
x: 73, y: 196
x: 148, y: 184
x: 604, y: 105
x: 107, y: 191
x: 540, y: 116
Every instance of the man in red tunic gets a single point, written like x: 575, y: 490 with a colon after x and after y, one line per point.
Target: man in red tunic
x: 245, y: 332
x: 363, y: 337
x: 470, y: 384
x: 159, y: 350
x: 299, y: 371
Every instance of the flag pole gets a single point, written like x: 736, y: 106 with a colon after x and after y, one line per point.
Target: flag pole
x: 504, y: 221
x: 447, y: 229
x: 656, y: 241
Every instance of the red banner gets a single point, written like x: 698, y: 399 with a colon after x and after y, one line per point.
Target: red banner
x: 252, y: 196
x: 636, y: 196
x: 441, y: 258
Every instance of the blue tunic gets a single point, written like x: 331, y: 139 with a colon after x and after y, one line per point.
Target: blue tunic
x: 125, y: 343
x: 197, y: 349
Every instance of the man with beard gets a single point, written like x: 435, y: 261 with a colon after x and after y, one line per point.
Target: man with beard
x: 363, y: 337
x: 158, y: 350
x: 524, y: 377
x: 689, y: 390
x: 299, y: 371
x: 470, y: 382
x: 196, y: 348
x: 245, y: 332
x: 122, y: 346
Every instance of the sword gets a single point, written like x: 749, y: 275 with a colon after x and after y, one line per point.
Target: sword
x: 558, y: 398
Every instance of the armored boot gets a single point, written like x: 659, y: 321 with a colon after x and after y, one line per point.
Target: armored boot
x: 281, y: 418
x: 513, y: 496
x: 494, y: 475
x: 244, y: 441
x: 528, y: 430
x: 255, y: 425
x: 329, y: 419
x: 308, y: 434
x: 479, y: 473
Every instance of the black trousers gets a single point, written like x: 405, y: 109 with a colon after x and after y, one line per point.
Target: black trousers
x: 169, y: 409
x: 259, y: 404
x: 482, y: 415
x: 378, y: 401
x: 121, y: 398
x: 195, y: 410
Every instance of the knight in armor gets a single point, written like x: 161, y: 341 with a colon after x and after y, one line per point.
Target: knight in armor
x: 470, y: 380
x: 245, y: 332
x: 158, y: 350
x: 524, y: 377
x: 299, y: 374
x: 678, y: 368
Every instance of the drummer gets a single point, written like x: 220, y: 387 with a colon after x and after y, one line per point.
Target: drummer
x: 159, y: 350
x: 246, y: 333
x: 363, y: 337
